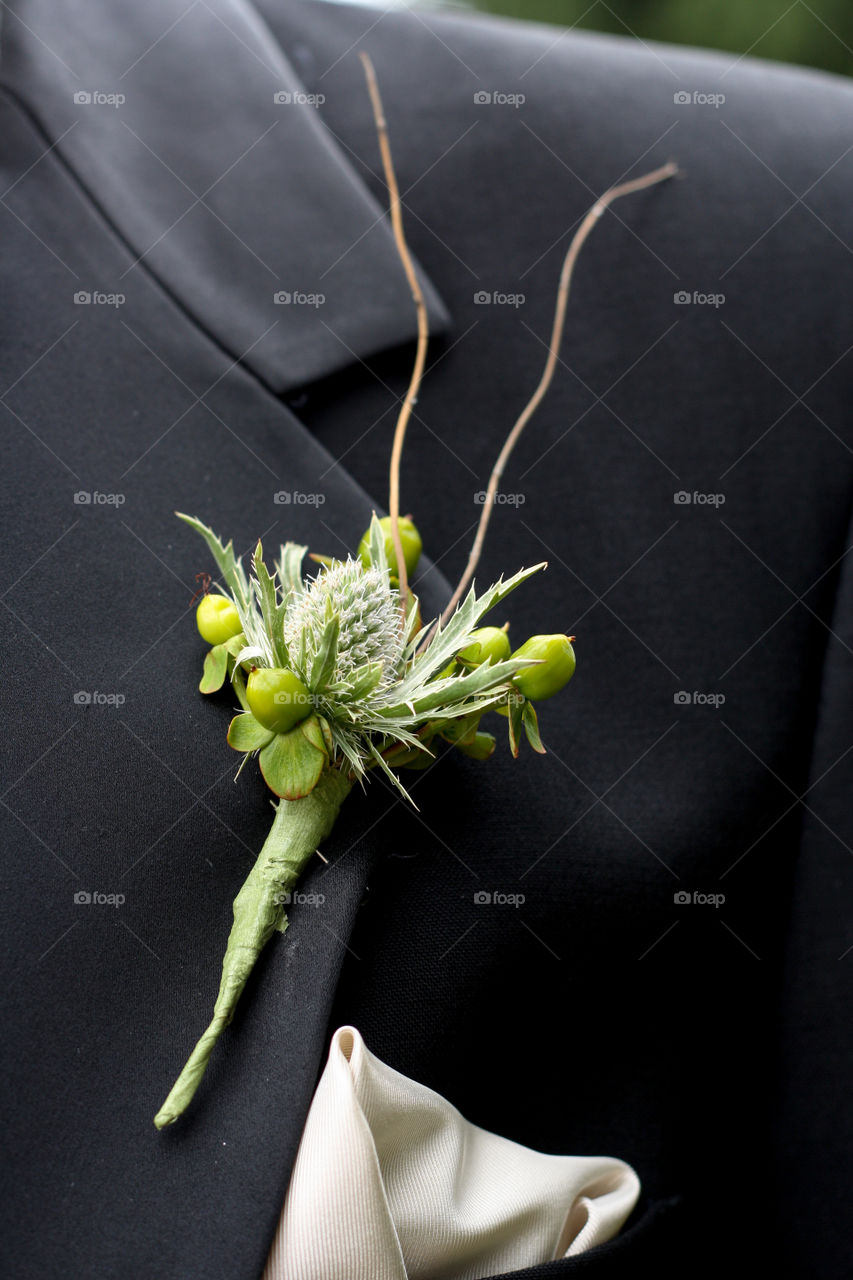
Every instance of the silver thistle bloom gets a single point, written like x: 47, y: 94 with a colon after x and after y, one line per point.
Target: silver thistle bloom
x: 369, y: 613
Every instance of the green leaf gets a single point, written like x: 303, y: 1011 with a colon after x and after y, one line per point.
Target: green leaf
x: 515, y: 707
x: 238, y: 684
x: 313, y: 731
x: 377, y: 544
x: 215, y: 669
x: 235, y: 644
x: 246, y: 734
x: 531, y: 727
x: 250, y: 651
x: 323, y: 666
x: 415, y: 760
x: 363, y: 681
x: 461, y: 729
x: 447, y: 641
x: 289, y: 567
x: 389, y: 773
x: 326, y: 730
x: 271, y: 612
x: 448, y: 696
x: 291, y: 765
x: 480, y: 747
x: 229, y: 564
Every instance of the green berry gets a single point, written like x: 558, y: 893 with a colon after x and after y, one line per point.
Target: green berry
x: 556, y: 666
x: 217, y: 619
x: 277, y: 698
x: 409, y: 537
x: 488, y: 644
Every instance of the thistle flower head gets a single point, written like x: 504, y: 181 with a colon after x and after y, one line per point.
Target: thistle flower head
x: 369, y: 614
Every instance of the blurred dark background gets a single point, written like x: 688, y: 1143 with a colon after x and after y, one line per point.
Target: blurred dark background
x: 818, y: 33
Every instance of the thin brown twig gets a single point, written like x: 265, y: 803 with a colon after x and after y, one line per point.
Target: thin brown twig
x: 589, y: 221
x: 423, y: 327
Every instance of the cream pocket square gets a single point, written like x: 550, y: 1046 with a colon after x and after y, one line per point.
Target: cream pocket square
x: 392, y: 1183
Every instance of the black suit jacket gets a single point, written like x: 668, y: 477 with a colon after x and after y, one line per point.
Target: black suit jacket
x: 688, y: 479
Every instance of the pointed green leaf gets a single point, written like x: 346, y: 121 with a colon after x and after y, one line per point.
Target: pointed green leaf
x: 313, y: 731
x: 246, y: 734
x: 515, y: 708
x: 229, y: 565
x: 531, y: 727
x: 447, y: 641
x: 271, y: 612
x: 364, y: 681
x: 323, y: 666
x: 326, y: 730
x: 291, y: 765
x: 238, y: 684
x: 235, y: 644
x: 389, y: 773
x: 377, y: 544
x: 249, y: 653
x: 215, y: 669
x: 289, y: 567
x: 447, y: 696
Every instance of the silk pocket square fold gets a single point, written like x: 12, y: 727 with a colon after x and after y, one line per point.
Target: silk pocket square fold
x: 392, y: 1183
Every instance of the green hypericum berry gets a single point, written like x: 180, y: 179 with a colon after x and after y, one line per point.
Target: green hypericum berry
x: 217, y: 619
x: 556, y: 666
x: 409, y: 537
x: 277, y: 698
x: 488, y: 644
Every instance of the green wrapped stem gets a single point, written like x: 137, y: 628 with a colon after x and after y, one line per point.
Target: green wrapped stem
x: 298, y: 828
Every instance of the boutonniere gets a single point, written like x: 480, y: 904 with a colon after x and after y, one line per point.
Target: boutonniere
x: 338, y: 675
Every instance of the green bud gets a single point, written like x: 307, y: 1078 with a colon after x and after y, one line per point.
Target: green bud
x: 277, y: 698
x: 488, y: 644
x: 217, y: 619
x: 409, y: 537
x: 556, y: 666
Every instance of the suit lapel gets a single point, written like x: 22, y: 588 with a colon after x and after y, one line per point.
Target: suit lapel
x: 261, y: 230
